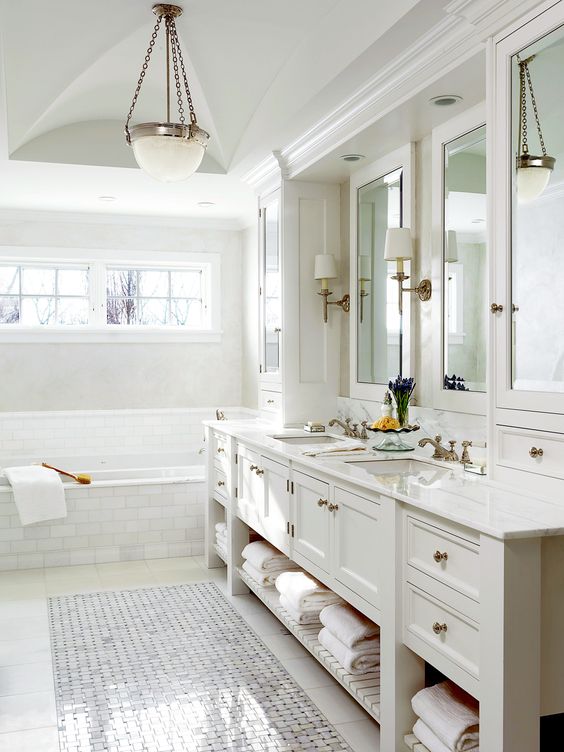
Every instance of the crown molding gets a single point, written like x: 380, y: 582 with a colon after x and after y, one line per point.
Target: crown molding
x: 461, y: 34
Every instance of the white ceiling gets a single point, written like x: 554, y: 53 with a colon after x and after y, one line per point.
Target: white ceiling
x: 261, y: 74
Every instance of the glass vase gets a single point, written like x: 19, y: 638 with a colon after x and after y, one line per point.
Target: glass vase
x: 403, y: 415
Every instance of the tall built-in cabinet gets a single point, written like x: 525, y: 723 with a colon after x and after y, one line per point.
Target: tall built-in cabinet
x: 526, y: 408
x: 299, y: 353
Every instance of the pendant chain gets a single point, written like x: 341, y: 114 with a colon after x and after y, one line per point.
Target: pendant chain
x: 524, y: 83
x: 178, y: 67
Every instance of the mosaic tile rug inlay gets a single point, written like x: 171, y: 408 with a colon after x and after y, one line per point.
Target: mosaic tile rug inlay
x: 174, y: 669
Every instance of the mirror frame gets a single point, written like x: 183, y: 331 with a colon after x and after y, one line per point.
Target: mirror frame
x: 444, y: 399
x: 403, y: 157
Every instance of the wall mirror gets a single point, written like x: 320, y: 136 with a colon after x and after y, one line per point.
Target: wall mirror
x: 537, y: 272
x: 380, y: 336
x: 460, y: 263
x: 270, y: 290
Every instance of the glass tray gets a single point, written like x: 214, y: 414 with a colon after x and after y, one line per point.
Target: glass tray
x: 392, y: 441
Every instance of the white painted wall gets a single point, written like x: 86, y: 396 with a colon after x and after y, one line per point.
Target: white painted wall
x: 111, y: 376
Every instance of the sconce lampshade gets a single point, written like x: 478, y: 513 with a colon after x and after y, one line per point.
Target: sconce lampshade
x: 451, y: 249
x: 398, y: 244
x: 364, y: 268
x: 325, y: 266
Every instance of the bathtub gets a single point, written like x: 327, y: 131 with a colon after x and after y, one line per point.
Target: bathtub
x: 120, y: 469
x: 138, y: 506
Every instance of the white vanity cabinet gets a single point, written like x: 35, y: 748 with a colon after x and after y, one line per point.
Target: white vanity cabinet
x: 263, y: 498
x: 311, y: 520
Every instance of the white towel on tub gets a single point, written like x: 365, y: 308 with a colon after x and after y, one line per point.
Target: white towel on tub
x: 38, y: 493
x: 450, y: 713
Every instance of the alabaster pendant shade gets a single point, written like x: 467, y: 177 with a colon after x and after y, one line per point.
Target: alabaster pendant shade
x: 168, y: 152
x: 398, y: 244
x: 325, y: 266
x: 531, y: 182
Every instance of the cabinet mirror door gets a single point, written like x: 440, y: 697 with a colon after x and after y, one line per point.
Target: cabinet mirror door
x: 536, y: 312
x: 460, y: 265
x: 270, y: 289
x: 380, y: 199
x: 465, y: 263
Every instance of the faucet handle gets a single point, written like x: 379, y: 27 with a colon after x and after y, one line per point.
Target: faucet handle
x: 452, y: 444
x: 438, y: 438
x: 465, y: 459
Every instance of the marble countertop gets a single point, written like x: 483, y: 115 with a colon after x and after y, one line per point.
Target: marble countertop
x: 437, y: 487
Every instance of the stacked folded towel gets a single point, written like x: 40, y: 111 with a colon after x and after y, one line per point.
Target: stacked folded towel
x: 264, y: 563
x: 448, y: 719
x: 303, y: 597
x: 353, y: 639
x: 221, y: 537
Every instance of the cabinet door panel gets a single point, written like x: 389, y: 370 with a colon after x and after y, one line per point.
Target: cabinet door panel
x: 276, y: 510
x: 250, y: 490
x: 311, y: 519
x: 357, y: 545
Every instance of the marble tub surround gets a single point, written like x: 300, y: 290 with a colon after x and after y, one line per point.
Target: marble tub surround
x: 472, y: 501
x: 448, y: 424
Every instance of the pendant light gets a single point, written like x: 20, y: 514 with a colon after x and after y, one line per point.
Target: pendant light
x: 168, y: 151
x: 533, y: 172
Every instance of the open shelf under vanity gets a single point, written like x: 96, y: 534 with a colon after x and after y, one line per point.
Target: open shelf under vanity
x: 364, y: 688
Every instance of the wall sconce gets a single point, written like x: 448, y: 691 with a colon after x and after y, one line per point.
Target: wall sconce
x: 399, y: 248
x: 364, y: 276
x: 326, y: 269
x: 451, y: 247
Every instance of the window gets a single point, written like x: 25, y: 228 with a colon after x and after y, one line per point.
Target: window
x: 101, y: 300
x: 155, y: 297
x: 44, y: 295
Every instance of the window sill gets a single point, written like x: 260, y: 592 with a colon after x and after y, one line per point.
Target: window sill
x: 45, y: 335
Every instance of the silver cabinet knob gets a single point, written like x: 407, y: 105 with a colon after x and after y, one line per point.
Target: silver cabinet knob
x: 534, y: 452
x: 220, y: 482
x: 496, y: 308
x: 438, y: 628
x: 322, y: 503
x: 439, y: 556
x: 333, y: 507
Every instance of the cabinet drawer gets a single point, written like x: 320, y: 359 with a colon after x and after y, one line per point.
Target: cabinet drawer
x: 219, y: 482
x: 271, y: 401
x: 220, y: 450
x: 534, y: 451
x: 444, y: 556
x: 432, y: 623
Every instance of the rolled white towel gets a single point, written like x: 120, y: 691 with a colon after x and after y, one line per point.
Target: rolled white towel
x: 301, y: 617
x: 266, y: 579
x: 450, y: 713
x: 359, y: 661
x: 431, y: 740
x: 304, y: 593
x: 348, y: 625
x: 266, y: 558
x: 221, y: 537
x: 221, y: 527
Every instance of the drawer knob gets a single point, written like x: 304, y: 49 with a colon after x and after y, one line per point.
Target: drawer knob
x: 439, y: 556
x: 536, y: 452
x: 496, y: 308
x: 220, y: 450
x: 333, y: 507
x: 253, y: 467
x: 438, y: 628
x: 322, y: 503
x: 270, y: 402
x: 220, y: 482
x: 259, y: 472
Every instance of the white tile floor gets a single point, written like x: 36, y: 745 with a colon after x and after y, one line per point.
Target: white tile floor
x: 27, y: 700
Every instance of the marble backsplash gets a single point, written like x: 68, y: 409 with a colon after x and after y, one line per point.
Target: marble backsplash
x: 449, y: 425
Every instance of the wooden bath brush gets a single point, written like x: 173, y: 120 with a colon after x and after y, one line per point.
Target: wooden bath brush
x: 79, y: 478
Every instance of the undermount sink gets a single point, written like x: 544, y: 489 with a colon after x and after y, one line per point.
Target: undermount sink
x: 314, y: 439
x: 410, y: 469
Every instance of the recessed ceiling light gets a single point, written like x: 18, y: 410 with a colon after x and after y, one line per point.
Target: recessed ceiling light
x: 206, y: 204
x: 445, y: 100
x: 107, y: 199
x: 351, y: 157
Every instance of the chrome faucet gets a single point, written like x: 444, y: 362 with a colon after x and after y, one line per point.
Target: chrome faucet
x: 351, y: 432
x: 441, y: 453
